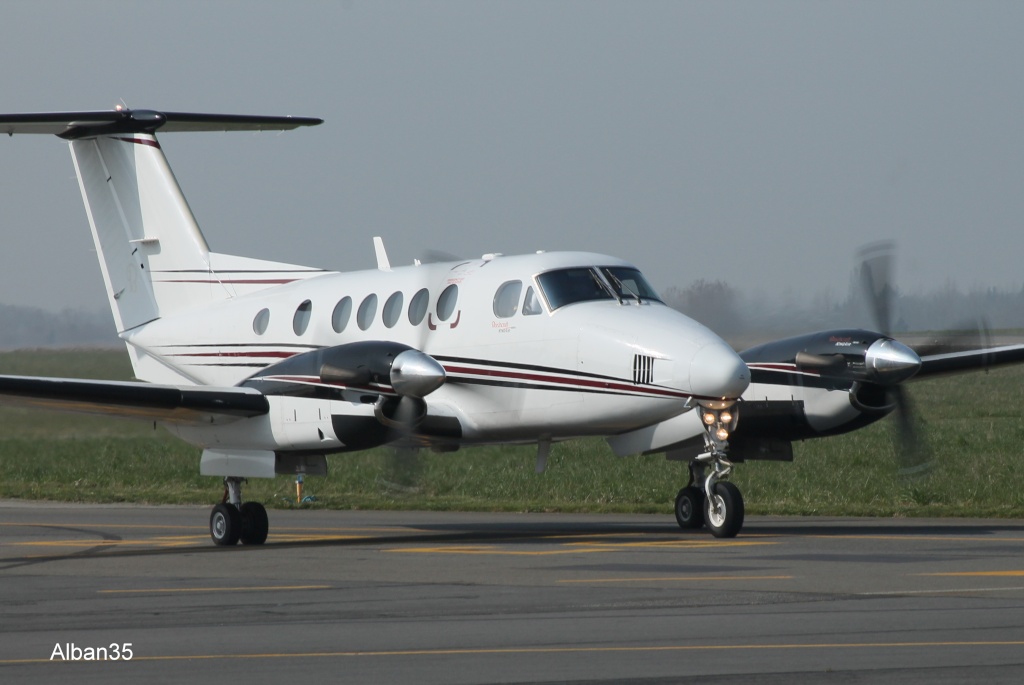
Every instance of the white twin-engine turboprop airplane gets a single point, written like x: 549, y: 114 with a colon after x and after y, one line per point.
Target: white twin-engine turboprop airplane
x: 269, y: 367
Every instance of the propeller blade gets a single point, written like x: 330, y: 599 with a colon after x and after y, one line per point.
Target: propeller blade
x: 404, y: 468
x: 892, y: 362
x: 914, y: 455
x: 974, y: 335
x: 876, y: 278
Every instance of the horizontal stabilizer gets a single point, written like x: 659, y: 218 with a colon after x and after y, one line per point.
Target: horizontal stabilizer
x: 134, y: 400
x: 72, y: 125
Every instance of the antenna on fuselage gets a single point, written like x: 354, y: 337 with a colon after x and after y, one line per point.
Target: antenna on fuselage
x: 382, y: 256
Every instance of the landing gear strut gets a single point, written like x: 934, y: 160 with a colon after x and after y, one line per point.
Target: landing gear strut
x: 710, y: 499
x: 231, y: 521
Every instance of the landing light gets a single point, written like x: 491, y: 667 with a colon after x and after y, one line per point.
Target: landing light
x: 726, y: 417
x: 709, y: 418
x: 722, y: 434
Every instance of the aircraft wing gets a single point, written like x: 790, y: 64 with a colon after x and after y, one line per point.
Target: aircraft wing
x: 969, y: 360
x: 184, y: 404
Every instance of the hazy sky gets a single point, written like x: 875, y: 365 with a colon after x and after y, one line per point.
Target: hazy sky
x: 760, y: 143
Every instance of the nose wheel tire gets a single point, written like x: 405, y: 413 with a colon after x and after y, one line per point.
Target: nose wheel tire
x: 225, y: 525
x: 690, y: 508
x: 254, y: 524
x: 724, y: 510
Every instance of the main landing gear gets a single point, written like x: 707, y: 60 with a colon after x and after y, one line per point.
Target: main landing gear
x: 710, y: 499
x: 232, y: 522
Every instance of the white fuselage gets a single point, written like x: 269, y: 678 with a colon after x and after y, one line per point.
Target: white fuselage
x: 589, y: 368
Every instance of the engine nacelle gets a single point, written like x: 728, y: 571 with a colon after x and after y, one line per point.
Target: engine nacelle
x: 848, y: 355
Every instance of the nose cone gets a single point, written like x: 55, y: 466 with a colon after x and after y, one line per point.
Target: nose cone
x: 892, y: 362
x: 717, y: 372
x: 415, y: 374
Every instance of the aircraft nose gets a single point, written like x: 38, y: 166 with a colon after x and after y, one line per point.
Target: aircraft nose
x: 716, y: 371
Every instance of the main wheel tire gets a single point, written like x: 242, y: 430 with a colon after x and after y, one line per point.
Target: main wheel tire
x: 255, y: 525
x: 690, y: 508
x: 225, y: 525
x: 724, y: 511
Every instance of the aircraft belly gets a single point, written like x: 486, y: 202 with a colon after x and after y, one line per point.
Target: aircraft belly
x: 293, y: 423
x: 256, y: 433
x: 306, y: 423
x: 657, y: 437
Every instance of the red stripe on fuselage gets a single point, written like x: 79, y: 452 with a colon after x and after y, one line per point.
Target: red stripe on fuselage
x: 580, y: 382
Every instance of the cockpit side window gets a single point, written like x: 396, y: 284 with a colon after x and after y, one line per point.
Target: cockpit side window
x: 630, y: 284
x: 568, y: 286
x: 506, y: 300
x: 531, y: 303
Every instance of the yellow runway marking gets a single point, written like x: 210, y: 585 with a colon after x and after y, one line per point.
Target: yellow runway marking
x: 311, y: 530
x: 499, y: 651
x: 255, y: 588
x: 912, y: 538
x: 465, y: 549
x: 571, y: 548
x: 680, y: 579
x: 79, y: 524
x: 159, y: 542
x: 689, y: 544
x: 278, y: 537
x: 979, y: 574
x: 169, y: 541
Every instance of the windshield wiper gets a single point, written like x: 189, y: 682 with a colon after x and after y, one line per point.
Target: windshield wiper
x: 602, y: 285
x: 622, y: 286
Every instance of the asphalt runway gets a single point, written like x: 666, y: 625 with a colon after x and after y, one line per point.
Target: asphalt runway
x: 426, y: 597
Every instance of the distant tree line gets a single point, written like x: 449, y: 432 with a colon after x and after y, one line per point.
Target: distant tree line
x: 744, y: 317
x: 30, y: 327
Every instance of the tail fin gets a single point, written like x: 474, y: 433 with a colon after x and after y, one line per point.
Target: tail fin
x: 142, y: 227
x: 154, y: 258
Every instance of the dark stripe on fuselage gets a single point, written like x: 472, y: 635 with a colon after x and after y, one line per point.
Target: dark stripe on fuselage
x: 526, y: 367
x: 512, y: 375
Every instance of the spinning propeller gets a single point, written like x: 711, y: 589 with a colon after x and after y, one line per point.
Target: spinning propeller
x: 875, y: 362
x: 876, y: 259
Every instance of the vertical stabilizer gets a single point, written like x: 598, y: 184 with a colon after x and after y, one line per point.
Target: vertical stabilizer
x: 143, y: 229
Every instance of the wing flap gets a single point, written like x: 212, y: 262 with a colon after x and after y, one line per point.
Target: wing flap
x: 134, y: 400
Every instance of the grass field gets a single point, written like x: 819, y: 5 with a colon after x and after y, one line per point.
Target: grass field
x: 972, y: 422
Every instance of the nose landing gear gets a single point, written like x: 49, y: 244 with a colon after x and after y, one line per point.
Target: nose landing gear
x: 710, y: 499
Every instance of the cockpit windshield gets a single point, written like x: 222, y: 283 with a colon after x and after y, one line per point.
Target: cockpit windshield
x: 577, y: 284
x: 630, y: 284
